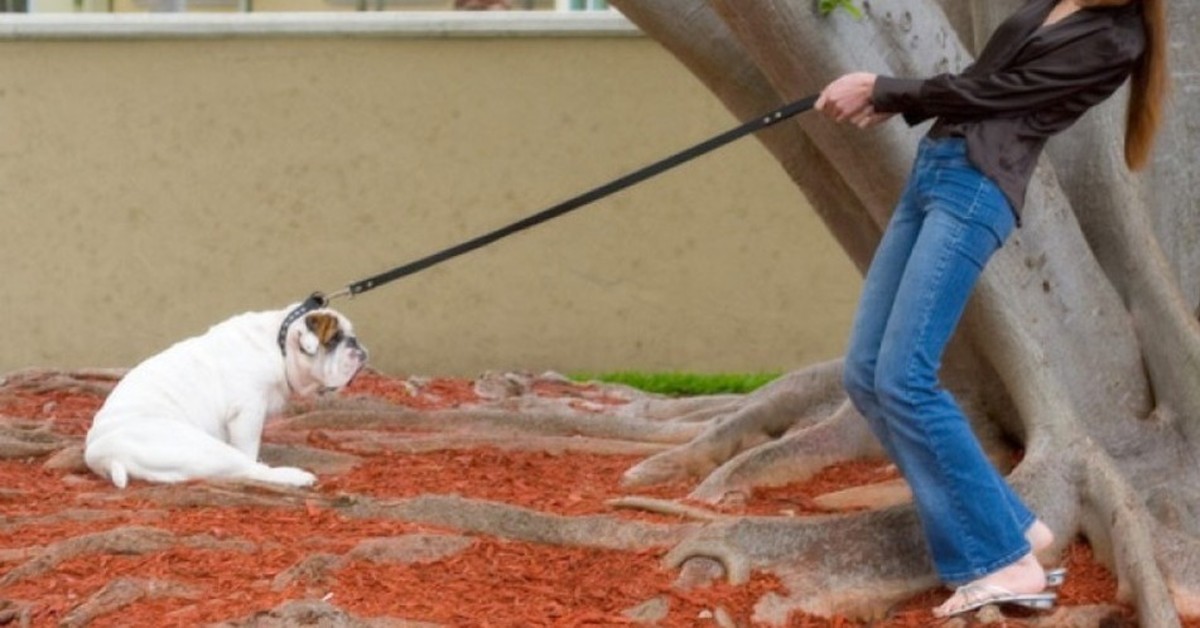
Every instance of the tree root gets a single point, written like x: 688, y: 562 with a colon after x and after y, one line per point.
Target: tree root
x: 497, y: 385
x: 854, y: 564
x: 795, y: 456
x: 511, y: 522
x: 1074, y: 482
x: 698, y: 571
x: 121, y: 593
x: 315, y: 570
x: 793, y: 401
x: 517, y: 392
x: 29, y: 439
x: 125, y: 540
x: 378, y: 416
x: 15, y: 612
x: 667, y: 507
x: 410, y: 549
x: 734, y: 563
x: 315, y: 613
x: 1124, y: 530
x: 97, y: 382
x: 449, y: 512
x: 319, y: 461
x: 368, y: 442
x: 79, y: 516
x: 681, y: 410
x: 1088, y: 616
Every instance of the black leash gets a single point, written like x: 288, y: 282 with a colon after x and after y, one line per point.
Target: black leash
x: 318, y: 300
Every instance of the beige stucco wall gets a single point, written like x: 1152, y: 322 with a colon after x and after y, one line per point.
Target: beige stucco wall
x: 153, y: 185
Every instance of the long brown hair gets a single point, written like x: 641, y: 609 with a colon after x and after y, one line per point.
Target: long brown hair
x: 1148, y: 87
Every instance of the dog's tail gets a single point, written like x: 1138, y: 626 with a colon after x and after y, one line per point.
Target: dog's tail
x: 118, y: 474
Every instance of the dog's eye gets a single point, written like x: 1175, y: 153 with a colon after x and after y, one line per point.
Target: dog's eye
x: 334, y: 339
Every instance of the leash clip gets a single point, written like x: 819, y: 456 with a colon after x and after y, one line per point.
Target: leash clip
x: 344, y: 292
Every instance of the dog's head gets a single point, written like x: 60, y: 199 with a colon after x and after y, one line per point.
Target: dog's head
x: 321, y: 352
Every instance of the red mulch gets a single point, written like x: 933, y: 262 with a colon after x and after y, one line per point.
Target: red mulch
x: 495, y: 582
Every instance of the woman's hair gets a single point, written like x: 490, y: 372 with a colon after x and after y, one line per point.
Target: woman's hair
x: 1148, y: 87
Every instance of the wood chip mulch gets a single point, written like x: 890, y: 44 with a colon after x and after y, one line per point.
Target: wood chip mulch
x: 228, y: 564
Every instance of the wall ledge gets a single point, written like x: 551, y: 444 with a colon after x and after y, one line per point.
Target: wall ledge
x: 416, y: 24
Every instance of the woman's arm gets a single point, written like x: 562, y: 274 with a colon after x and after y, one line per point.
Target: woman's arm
x: 863, y: 98
x: 1082, y: 65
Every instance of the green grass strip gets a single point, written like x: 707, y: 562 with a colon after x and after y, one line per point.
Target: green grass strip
x: 683, y: 384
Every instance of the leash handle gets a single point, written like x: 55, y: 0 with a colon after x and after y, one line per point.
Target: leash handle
x: 757, y: 124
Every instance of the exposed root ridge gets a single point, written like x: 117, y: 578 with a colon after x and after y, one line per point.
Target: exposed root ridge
x: 314, y: 613
x: 15, y: 612
x: 494, y: 422
x: 667, y: 507
x: 314, y: 571
x: 75, y: 516
x: 450, y: 512
x: 214, y: 494
x: 683, y: 409
x: 797, y: 399
x: 833, y: 564
x: 1124, y: 527
x: 367, y: 442
x: 29, y: 439
x: 1084, y: 616
x: 512, y: 522
x: 121, y: 593
x: 796, y: 456
x: 124, y: 540
x: 86, y: 381
x: 735, y: 562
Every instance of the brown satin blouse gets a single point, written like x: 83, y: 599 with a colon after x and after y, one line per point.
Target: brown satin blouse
x: 1029, y: 83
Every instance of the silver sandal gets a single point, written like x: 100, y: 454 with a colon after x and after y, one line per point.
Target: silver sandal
x: 976, y: 595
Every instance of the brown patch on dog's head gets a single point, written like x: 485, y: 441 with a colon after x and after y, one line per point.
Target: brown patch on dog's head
x: 325, y: 326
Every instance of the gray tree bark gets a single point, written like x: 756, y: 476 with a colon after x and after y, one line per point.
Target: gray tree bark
x: 1081, y: 343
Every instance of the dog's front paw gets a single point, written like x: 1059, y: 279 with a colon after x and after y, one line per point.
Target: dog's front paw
x: 290, y: 476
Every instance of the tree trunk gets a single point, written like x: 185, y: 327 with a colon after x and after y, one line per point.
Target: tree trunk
x: 1081, y: 343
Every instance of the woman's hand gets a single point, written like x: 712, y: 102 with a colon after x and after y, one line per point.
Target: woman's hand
x: 848, y: 99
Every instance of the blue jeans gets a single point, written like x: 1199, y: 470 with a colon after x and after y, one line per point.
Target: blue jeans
x: 948, y: 223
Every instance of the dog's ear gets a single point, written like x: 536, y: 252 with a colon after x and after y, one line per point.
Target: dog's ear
x: 323, y: 329
x: 326, y: 326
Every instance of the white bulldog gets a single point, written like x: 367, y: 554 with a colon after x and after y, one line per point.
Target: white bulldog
x: 197, y: 409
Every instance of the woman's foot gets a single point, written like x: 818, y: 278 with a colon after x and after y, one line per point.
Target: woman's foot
x: 1023, y: 582
x: 1040, y: 537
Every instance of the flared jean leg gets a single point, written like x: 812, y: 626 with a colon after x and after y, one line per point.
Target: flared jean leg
x: 874, y: 308
x: 940, y: 237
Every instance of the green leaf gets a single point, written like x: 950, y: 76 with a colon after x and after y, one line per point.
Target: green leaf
x: 829, y: 6
x: 683, y: 384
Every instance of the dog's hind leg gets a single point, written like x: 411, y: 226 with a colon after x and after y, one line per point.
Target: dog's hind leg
x: 168, y: 452
x: 290, y: 476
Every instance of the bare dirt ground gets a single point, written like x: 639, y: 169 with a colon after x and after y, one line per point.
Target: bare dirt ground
x: 354, y: 550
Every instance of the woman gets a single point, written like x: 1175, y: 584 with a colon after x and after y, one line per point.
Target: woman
x: 1041, y: 70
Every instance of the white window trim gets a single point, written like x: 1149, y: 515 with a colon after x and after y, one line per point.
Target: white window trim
x: 357, y: 24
